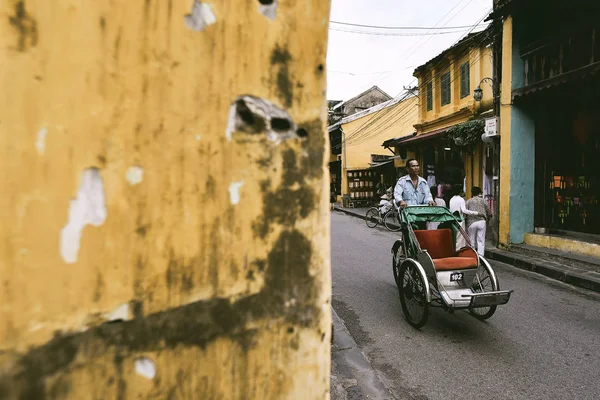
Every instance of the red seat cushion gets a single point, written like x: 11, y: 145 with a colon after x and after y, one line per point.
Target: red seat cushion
x: 450, y: 263
x: 438, y: 242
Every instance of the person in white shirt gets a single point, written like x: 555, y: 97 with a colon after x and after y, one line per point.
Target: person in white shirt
x: 458, y: 204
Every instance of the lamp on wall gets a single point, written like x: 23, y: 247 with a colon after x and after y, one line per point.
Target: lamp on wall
x: 478, y: 92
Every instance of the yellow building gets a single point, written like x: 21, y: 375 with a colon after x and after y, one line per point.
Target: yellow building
x: 448, y: 143
x: 365, y: 163
x: 163, y: 231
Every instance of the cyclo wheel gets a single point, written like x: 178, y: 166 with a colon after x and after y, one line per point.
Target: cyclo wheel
x: 413, y: 294
x: 391, y: 220
x: 398, y: 256
x: 483, y: 282
x: 372, y: 217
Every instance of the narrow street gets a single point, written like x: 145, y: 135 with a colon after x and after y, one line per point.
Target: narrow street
x: 544, y: 344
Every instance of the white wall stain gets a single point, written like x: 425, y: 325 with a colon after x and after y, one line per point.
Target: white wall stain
x: 200, y: 17
x: 134, y: 175
x: 121, y: 313
x: 234, y: 192
x: 145, y: 367
x: 88, y: 208
x: 40, y: 143
x: 269, y: 10
x: 232, y: 121
x: 197, y: 137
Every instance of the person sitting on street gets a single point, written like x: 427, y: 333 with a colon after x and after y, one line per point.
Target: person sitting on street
x: 412, y: 189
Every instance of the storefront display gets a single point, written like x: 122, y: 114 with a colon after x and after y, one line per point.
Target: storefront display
x: 361, y: 185
x: 568, y: 165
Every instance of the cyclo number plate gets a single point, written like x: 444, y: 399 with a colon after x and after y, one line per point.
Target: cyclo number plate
x: 456, y: 277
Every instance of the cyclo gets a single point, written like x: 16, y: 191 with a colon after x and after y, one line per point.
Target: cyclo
x: 430, y: 272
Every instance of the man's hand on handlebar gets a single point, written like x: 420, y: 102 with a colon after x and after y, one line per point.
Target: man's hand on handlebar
x: 432, y: 203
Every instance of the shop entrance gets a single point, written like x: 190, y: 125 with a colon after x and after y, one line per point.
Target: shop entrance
x: 568, y: 162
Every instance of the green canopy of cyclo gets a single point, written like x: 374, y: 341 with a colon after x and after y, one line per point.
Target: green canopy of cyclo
x: 415, y: 214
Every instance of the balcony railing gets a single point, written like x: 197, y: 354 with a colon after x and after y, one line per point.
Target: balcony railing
x: 548, y: 60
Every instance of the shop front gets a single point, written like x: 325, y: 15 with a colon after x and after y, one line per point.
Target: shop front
x: 567, y: 159
x: 445, y: 165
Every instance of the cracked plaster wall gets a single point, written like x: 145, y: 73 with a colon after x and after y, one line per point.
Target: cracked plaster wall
x: 205, y: 295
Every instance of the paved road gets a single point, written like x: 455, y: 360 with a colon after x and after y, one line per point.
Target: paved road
x: 544, y: 344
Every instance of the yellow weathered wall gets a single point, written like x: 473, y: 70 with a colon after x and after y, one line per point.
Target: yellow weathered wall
x: 365, y: 135
x: 480, y: 62
x: 505, y: 121
x: 213, y: 256
x: 440, y: 117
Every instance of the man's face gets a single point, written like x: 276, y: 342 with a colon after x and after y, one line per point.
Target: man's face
x: 413, y: 168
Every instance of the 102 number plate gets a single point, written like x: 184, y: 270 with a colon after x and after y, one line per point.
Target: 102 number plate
x: 456, y: 277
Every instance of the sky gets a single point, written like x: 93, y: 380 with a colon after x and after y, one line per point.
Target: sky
x: 357, y: 61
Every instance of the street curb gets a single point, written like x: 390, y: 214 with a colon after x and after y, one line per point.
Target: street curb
x: 356, y: 373
x: 581, y: 278
x: 589, y: 280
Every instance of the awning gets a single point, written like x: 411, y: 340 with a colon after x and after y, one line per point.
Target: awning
x: 395, y: 141
x: 379, y: 164
x: 423, y: 137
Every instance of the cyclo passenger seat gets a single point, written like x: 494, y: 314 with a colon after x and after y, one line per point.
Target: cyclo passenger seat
x: 439, y: 243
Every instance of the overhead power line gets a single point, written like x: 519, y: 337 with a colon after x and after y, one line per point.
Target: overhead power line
x: 406, y: 27
x: 373, y: 125
x: 397, y: 33
x: 415, y: 48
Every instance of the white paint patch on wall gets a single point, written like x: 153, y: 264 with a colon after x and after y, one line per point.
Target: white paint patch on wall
x: 120, y: 313
x: 198, y: 137
x: 134, y: 175
x: 88, y: 208
x: 40, y: 143
x: 268, y: 10
x: 234, y: 192
x: 200, y: 17
x: 145, y: 367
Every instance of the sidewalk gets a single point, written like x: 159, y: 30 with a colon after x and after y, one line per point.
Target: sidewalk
x: 352, y: 376
x: 574, y: 270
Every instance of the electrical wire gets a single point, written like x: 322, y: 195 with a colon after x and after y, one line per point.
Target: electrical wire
x: 386, y: 111
x: 402, y: 27
x: 397, y: 34
x: 356, y: 137
x: 412, y: 49
x: 433, y: 77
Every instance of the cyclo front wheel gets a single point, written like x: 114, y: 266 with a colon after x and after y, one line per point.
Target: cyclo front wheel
x: 413, y: 294
x: 391, y: 220
x: 484, y: 282
x: 372, y: 217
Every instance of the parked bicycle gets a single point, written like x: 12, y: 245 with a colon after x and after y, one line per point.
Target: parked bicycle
x: 384, y: 214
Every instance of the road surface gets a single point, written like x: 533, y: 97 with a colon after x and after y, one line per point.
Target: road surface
x: 544, y: 344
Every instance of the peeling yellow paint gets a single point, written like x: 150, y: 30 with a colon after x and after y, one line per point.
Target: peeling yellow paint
x: 130, y: 85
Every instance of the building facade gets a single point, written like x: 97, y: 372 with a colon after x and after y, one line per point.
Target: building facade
x: 451, y: 123
x: 361, y: 102
x: 550, y: 127
x: 365, y: 165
